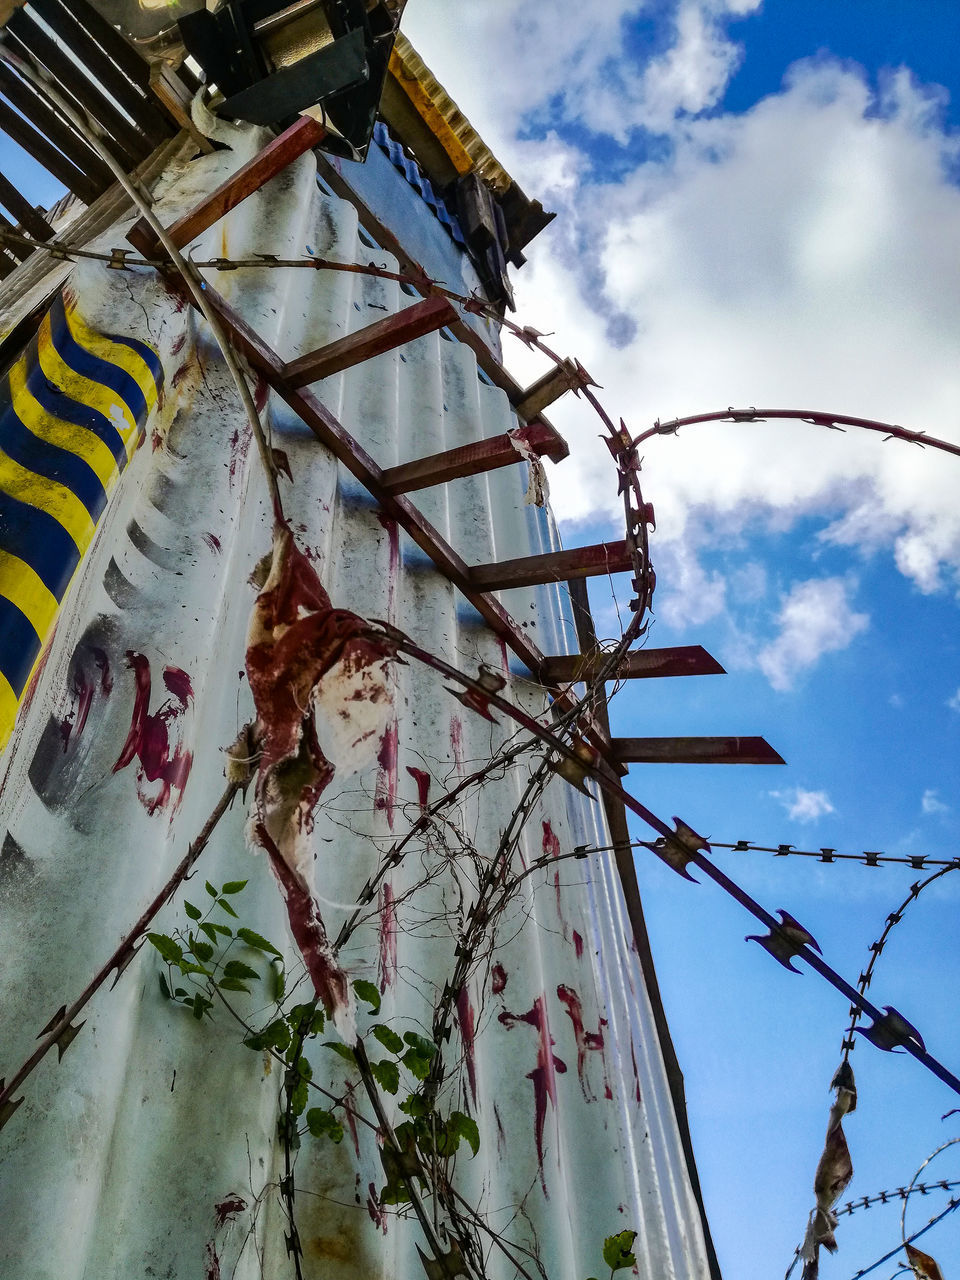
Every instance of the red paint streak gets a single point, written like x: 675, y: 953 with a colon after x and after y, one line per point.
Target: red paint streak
x: 385, y: 792
x: 213, y: 542
x: 393, y: 538
x: 351, y: 1116
x: 178, y: 682
x: 178, y: 345
x: 578, y: 945
x: 149, y: 739
x: 543, y: 1075
x: 636, y: 1073
x: 212, y: 1264
x: 422, y: 779
x: 228, y: 1209
x: 456, y: 742
x: 388, y: 938
x: 499, y: 978
x: 467, y: 1020
x: 551, y: 849
x: 103, y: 666
x: 586, y: 1040
x: 377, y: 1216
x: 83, y: 689
x: 260, y: 392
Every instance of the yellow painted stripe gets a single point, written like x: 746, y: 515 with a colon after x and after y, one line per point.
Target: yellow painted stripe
x: 23, y: 587
x: 94, y: 394
x: 8, y: 710
x: 47, y: 495
x: 117, y: 353
x: 65, y: 435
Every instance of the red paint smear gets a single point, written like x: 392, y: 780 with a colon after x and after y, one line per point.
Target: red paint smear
x: 348, y: 1111
x: 103, y: 666
x: 467, y: 1021
x: 212, y: 1271
x: 178, y: 682
x: 586, y: 1040
x: 422, y: 779
x: 504, y: 658
x: 543, y: 1075
x: 260, y: 392
x: 636, y: 1073
x: 178, y: 345
x: 228, y: 1209
x: 551, y: 849
x: 213, y: 542
x: 385, y: 792
x: 388, y: 938
x: 456, y: 742
x: 393, y: 538
x: 499, y: 978
x: 149, y: 741
x: 578, y: 945
x: 377, y: 1216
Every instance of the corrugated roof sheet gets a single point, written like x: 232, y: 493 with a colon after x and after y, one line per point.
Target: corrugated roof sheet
x: 417, y: 179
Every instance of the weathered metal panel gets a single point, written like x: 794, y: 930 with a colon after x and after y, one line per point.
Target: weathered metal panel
x: 151, y: 1149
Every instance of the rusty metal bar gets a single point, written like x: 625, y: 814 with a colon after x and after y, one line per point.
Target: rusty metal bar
x: 554, y: 383
x: 642, y: 664
x: 694, y: 751
x: 472, y: 459
x: 412, y: 322
x: 286, y: 147
x: 554, y: 566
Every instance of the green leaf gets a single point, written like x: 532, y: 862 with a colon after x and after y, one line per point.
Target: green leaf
x: 298, y: 1097
x: 414, y: 1106
x: 416, y: 1064
x: 368, y: 992
x: 388, y: 1038
x: 462, y: 1126
x: 237, y: 969
x: 232, y: 984
x: 617, y: 1251
x: 344, y: 1050
x: 210, y: 889
x: 163, y: 986
x: 386, y: 1074
x: 324, y: 1124
x: 202, y: 950
x: 187, y: 966
x: 426, y: 1048
x: 169, y: 949
x: 193, y: 912
x: 306, y: 1019
x: 278, y: 1035
x: 257, y: 1042
x: 210, y: 930
x: 222, y: 902
x: 255, y: 940
x: 224, y: 929
x: 234, y: 886
x: 279, y: 980
x: 396, y: 1193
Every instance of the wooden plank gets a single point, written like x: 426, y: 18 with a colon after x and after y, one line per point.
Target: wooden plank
x: 695, y: 751
x: 174, y: 96
x: 554, y: 383
x: 121, y: 52
x: 44, y: 153
x: 641, y: 664
x: 554, y: 566
x: 393, y: 331
x: 14, y: 202
x: 472, y: 459
x: 39, y: 110
x: 286, y: 147
x: 126, y: 141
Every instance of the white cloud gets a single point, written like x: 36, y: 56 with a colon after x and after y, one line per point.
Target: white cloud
x: 815, y: 618
x: 954, y: 702
x: 929, y: 802
x: 803, y: 806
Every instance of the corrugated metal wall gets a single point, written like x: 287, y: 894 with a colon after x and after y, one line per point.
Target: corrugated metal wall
x: 132, y: 1156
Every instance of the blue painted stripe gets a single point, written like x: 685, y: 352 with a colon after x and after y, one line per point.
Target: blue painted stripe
x: 46, y: 459
x: 39, y: 540
x: 19, y: 645
x: 58, y: 405
x: 149, y: 357
x: 82, y: 361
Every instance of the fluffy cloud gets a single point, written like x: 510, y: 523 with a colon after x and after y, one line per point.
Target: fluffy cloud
x: 930, y: 803
x: 954, y: 702
x: 815, y: 618
x: 803, y: 806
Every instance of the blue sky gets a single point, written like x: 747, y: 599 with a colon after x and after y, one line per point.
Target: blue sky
x: 758, y: 204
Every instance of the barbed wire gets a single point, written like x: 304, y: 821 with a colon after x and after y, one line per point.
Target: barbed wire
x: 896, y: 1195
